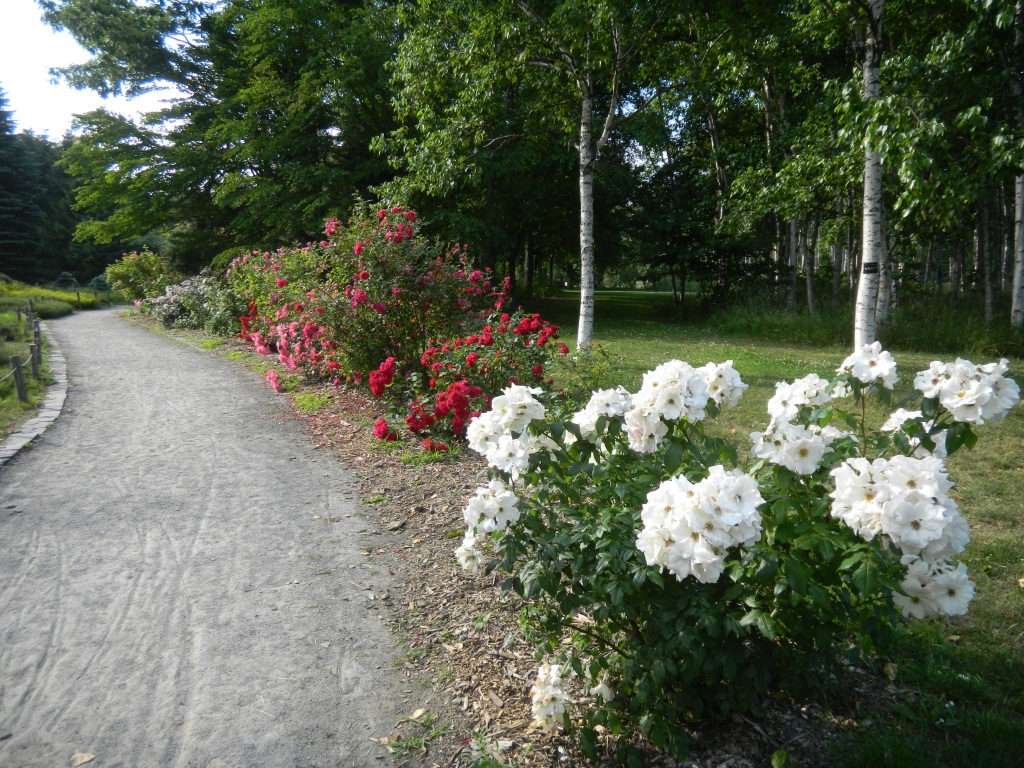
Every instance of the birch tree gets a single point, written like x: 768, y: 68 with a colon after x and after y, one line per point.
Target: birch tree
x: 873, y: 235
x: 583, y: 68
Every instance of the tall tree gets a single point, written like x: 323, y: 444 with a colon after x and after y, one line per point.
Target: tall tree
x: 585, y: 68
x: 21, y: 215
x: 276, y: 103
x: 873, y: 237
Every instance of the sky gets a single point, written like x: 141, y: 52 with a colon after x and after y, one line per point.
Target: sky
x: 28, y: 50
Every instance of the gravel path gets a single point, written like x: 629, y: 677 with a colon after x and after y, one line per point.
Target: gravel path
x: 170, y: 594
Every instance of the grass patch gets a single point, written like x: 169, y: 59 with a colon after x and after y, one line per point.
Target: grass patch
x: 15, y: 337
x: 47, y: 303
x: 966, y: 674
x: 310, y: 402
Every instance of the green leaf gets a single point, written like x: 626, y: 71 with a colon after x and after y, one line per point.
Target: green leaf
x: 588, y: 743
x: 761, y: 620
x: 929, y: 408
x: 958, y: 435
x: 673, y: 458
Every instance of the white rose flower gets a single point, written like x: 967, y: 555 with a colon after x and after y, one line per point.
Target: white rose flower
x: 688, y: 527
x: 549, y: 699
x: 509, y: 454
x: 467, y: 554
x: 723, y: 382
x: 516, y: 407
x: 491, y: 508
x: 871, y: 365
x: 900, y: 416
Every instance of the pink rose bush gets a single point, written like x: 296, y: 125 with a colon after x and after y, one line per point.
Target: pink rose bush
x: 374, y: 302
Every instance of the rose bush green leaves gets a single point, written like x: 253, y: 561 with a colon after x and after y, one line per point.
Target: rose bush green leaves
x: 141, y: 274
x: 677, y: 574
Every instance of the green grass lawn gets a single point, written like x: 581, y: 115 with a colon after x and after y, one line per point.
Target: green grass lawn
x: 965, y: 676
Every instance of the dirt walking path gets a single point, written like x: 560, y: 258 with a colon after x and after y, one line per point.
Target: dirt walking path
x: 169, y: 592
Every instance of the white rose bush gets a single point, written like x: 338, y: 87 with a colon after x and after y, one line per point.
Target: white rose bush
x: 675, y: 573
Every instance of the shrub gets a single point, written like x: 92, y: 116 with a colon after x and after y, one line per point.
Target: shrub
x: 462, y: 374
x: 141, y: 274
x: 677, y: 578
x: 200, y: 302
x: 372, y: 290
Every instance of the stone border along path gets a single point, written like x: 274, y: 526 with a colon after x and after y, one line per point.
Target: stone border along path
x: 182, y: 581
x: 52, y: 404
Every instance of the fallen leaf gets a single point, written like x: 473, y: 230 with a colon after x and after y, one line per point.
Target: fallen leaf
x: 81, y: 758
x: 890, y: 671
x: 418, y: 714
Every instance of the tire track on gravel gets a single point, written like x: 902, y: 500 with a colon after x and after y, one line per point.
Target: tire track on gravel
x: 158, y: 603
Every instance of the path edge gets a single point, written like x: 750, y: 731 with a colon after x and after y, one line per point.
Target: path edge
x: 52, y: 405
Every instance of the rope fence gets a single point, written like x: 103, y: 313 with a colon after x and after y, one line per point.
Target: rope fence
x: 35, y: 358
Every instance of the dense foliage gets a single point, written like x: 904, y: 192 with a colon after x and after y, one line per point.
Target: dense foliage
x: 727, y: 139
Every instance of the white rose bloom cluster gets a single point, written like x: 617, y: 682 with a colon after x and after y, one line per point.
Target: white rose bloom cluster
x: 932, y: 589
x: 610, y: 403
x: 905, y: 499
x: 794, y: 446
x: 871, y: 365
x: 549, y: 699
x: 797, y: 447
x: 900, y: 416
x: 689, y: 527
x: 670, y: 392
x: 971, y: 393
x: 791, y: 396
x: 723, y: 382
x: 497, y: 433
x: 492, y: 508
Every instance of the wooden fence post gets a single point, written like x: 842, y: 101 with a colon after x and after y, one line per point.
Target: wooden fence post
x: 19, y: 380
x: 34, y: 357
x: 78, y: 295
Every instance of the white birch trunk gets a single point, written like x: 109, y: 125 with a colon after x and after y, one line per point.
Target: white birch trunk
x: 872, y: 237
x: 585, y: 332
x: 1017, y: 310
x: 1017, y: 306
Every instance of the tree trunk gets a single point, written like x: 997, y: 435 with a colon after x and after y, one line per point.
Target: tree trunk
x: 956, y: 266
x: 1017, y: 309
x: 1017, y: 88
x: 791, y: 262
x: 835, y: 253
x: 983, y: 257
x: 585, y: 332
x: 809, y: 266
x: 873, y: 242
x: 852, y: 246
